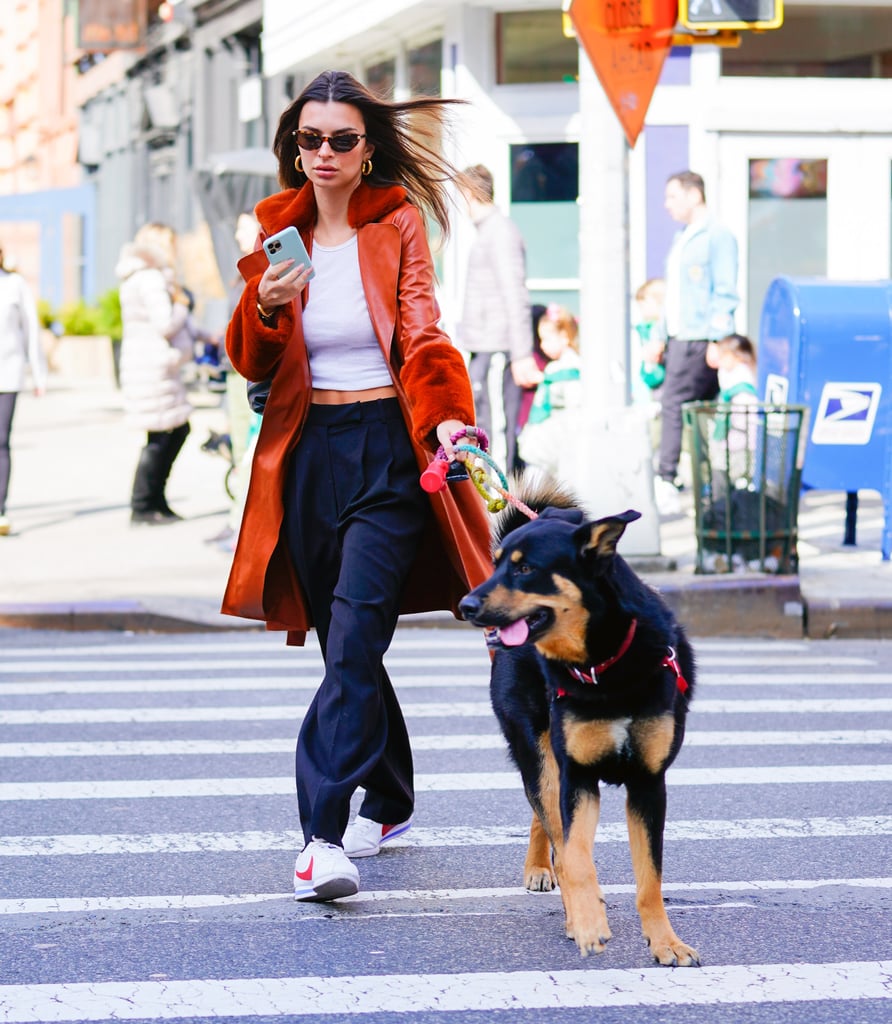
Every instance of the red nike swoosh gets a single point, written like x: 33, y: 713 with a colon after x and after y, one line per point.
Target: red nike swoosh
x: 305, y: 876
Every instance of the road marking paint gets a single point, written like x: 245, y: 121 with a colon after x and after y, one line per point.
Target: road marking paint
x: 473, y: 741
x: 233, y: 643
x: 109, y: 904
x: 457, y: 709
x: 245, y: 998
x: 439, y: 782
x: 292, y: 682
x: 64, y: 666
x: 867, y: 826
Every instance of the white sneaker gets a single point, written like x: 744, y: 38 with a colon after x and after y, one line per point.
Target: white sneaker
x: 666, y: 496
x: 364, y: 837
x: 5, y: 526
x: 323, y: 872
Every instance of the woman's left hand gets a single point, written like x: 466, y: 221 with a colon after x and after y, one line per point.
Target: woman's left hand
x: 444, y: 431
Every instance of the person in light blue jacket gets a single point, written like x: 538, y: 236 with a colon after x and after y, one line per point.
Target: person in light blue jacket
x: 701, y: 298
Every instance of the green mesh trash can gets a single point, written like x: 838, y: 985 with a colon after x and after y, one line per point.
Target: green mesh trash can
x: 746, y: 468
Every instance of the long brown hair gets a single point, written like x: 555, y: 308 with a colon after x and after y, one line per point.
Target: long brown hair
x: 405, y: 135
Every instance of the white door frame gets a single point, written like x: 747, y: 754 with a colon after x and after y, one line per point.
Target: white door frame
x: 859, y: 208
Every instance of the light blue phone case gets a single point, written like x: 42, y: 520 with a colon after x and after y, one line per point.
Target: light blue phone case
x: 287, y: 245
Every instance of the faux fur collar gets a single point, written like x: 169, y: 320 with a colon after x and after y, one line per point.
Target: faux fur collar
x: 369, y: 203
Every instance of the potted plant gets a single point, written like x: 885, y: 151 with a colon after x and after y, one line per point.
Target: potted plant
x: 84, y: 350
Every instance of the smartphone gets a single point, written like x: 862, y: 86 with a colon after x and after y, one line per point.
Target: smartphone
x: 287, y: 245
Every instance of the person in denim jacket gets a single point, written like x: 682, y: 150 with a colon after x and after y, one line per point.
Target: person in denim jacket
x: 701, y: 298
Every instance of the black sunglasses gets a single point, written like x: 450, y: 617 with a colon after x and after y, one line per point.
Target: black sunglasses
x: 339, y: 143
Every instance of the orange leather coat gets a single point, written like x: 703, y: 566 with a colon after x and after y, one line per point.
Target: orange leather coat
x: 432, y: 385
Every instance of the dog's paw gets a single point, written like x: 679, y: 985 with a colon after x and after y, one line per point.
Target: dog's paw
x: 672, y: 952
x: 539, y: 879
x: 590, y: 942
x: 591, y: 935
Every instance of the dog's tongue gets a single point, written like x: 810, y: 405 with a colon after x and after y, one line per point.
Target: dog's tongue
x: 515, y: 634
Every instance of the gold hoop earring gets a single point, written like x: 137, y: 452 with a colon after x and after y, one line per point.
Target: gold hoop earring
x: 297, y: 164
x: 366, y: 168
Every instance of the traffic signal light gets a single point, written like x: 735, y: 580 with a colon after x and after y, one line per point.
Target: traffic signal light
x: 705, y: 15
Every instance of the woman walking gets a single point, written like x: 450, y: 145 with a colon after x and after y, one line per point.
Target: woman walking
x: 19, y: 349
x: 337, y: 533
x: 154, y: 348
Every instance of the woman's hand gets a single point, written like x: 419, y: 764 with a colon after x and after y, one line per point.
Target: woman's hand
x: 277, y: 289
x: 444, y: 431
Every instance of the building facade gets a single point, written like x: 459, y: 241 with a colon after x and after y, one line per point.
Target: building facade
x: 792, y: 131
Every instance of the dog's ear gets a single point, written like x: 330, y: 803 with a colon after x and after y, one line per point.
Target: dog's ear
x: 569, y: 515
x: 598, y: 540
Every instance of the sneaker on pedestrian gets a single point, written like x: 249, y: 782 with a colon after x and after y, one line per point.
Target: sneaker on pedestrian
x: 364, y: 837
x: 5, y: 526
x: 666, y: 497
x: 225, y: 534
x: 153, y: 518
x: 323, y: 872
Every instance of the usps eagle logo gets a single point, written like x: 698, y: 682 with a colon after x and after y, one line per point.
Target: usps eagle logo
x: 846, y: 413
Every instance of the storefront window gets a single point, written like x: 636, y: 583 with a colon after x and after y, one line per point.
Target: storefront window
x: 380, y: 78
x: 531, y: 47
x: 787, y: 225
x: 839, y: 41
x: 544, y: 191
x: 425, y: 66
x: 545, y: 172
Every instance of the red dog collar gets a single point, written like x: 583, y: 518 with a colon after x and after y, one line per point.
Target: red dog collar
x: 596, y: 670
x: 670, y: 661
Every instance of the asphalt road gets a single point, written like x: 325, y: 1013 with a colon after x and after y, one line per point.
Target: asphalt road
x: 148, y: 832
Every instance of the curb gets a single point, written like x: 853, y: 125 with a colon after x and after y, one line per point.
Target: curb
x: 119, y: 616
x: 745, y: 606
x: 848, y: 619
x: 756, y: 606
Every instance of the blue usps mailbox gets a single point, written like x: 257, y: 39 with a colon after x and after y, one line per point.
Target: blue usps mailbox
x: 828, y: 345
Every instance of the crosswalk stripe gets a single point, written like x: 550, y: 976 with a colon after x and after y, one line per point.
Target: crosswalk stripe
x: 430, y: 681
x: 177, y: 901
x: 92, y: 904
x: 458, y: 639
x: 227, y: 747
x: 480, y: 661
x: 217, y: 664
x: 440, y: 782
x: 483, y: 741
x: 742, y: 829
x: 245, y: 998
x: 458, y: 709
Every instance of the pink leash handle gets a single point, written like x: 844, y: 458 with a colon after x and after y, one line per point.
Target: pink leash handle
x: 433, y: 479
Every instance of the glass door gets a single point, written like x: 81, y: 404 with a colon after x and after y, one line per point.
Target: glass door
x: 805, y: 206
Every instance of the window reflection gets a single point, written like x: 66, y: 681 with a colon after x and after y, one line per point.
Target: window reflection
x: 843, y: 40
x: 380, y: 79
x: 787, y: 225
x: 425, y: 67
x: 531, y: 47
x: 545, y: 172
x: 788, y: 178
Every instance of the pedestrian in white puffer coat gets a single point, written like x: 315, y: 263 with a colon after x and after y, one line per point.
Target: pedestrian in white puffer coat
x: 19, y: 348
x: 154, y: 348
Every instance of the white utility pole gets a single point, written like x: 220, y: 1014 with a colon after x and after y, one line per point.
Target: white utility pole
x: 614, y: 470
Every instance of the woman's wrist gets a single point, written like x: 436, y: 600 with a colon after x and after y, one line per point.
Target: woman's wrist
x: 264, y: 313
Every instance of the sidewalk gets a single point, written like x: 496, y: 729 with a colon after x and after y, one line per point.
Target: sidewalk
x: 74, y: 562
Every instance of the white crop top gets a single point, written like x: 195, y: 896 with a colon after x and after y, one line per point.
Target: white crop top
x: 341, y: 343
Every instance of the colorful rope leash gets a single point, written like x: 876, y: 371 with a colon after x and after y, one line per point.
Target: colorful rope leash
x: 492, y: 486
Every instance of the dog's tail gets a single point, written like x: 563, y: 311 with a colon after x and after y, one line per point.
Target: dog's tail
x: 537, y: 491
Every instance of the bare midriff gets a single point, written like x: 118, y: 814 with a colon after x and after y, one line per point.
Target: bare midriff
x: 321, y: 396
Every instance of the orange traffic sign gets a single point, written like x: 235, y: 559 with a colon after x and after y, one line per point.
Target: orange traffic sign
x: 627, y: 42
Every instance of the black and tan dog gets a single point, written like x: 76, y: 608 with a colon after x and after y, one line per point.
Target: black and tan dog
x: 591, y: 681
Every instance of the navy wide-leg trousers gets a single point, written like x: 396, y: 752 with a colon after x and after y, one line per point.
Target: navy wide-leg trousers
x: 354, y: 516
